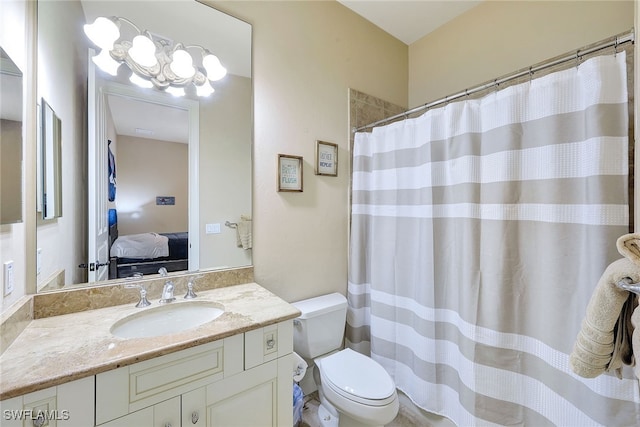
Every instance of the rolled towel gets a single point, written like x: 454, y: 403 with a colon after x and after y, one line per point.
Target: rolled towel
x: 629, y: 247
x: 604, y: 341
x: 244, y: 234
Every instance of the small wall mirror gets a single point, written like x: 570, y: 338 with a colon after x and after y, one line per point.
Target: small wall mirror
x: 50, y: 163
x: 11, y: 163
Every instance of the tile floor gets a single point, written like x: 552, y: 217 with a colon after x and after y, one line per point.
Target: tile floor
x: 310, y: 415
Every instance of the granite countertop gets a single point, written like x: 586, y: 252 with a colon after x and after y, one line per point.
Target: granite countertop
x: 59, y: 349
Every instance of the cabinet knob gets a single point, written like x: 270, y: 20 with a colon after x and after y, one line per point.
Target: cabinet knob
x: 167, y: 425
x: 195, y: 417
x: 39, y: 421
x: 271, y: 343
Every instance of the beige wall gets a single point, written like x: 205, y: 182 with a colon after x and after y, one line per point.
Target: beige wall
x: 145, y: 169
x: 499, y: 37
x: 306, y: 56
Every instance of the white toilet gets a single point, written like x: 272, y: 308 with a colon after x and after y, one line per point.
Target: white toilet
x: 354, y: 389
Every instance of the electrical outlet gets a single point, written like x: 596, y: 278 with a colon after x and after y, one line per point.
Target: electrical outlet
x: 8, y: 277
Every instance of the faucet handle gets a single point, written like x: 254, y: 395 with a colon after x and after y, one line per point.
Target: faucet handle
x: 163, y: 272
x: 190, y: 294
x: 144, y: 302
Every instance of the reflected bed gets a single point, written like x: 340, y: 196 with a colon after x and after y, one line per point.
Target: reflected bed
x: 146, y: 253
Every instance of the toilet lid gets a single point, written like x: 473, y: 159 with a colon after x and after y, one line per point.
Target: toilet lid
x: 345, y: 369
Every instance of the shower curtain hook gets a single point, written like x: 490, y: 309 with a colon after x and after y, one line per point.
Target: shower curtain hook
x: 530, y: 74
x: 615, y: 47
x: 577, y: 58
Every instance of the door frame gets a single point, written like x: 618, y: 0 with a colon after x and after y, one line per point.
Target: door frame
x: 97, y: 135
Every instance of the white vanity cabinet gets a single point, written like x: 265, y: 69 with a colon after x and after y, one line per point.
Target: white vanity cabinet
x: 242, y: 380
x: 67, y: 405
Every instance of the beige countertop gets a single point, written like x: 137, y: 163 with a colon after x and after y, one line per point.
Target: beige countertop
x: 58, y: 349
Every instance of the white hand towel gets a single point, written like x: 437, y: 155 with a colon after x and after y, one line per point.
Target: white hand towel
x: 604, y: 341
x: 243, y: 230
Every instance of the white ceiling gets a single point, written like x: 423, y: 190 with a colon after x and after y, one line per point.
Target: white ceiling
x: 409, y: 21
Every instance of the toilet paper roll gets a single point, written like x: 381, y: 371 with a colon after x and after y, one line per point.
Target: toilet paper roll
x: 299, y: 367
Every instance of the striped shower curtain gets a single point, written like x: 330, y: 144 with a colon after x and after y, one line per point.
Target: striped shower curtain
x: 479, y: 231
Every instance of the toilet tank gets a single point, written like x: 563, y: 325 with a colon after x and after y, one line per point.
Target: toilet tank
x: 320, y: 328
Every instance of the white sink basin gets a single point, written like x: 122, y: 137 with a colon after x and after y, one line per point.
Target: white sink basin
x: 166, y: 319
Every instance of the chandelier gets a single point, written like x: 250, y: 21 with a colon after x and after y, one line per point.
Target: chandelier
x: 154, y: 61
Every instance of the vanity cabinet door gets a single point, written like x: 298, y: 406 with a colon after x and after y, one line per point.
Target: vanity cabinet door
x: 258, y: 397
x: 163, y: 414
x: 67, y: 405
x: 194, y: 408
x: 143, y: 417
x: 167, y: 413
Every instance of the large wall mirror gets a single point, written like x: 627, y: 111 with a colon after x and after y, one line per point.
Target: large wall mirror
x: 149, y: 179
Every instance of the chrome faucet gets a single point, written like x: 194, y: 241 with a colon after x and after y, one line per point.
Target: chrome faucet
x: 167, y: 292
x: 144, y: 302
x: 190, y: 294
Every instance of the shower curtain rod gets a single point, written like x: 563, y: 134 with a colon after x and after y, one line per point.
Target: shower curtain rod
x: 614, y: 41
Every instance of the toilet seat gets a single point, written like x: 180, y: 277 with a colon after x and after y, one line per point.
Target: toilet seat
x: 343, y: 373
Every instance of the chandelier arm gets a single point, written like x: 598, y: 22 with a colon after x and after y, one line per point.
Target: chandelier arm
x: 120, y: 18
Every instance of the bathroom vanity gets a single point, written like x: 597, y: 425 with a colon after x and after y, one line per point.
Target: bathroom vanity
x: 234, y: 370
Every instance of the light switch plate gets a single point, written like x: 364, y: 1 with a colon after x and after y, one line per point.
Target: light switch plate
x: 9, y: 278
x: 212, y: 228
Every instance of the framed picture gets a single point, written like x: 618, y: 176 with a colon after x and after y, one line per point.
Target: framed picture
x: 326, y: 158
x: 289, y: 173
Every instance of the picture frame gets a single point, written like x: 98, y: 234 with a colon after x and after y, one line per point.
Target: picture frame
x: 290, y: 173
x: 326, y: 158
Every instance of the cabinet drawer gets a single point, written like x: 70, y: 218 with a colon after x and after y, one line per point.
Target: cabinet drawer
x: 147, y: 379
x: 268, y: 343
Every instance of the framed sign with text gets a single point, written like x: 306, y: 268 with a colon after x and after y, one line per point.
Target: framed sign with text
x: 289, y: 173
x: 326, y: 158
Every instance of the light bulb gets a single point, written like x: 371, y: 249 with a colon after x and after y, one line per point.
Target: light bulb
x: 205, y: 89
x: 139, y: 81
x: 143, y: 51
x: 103, y: 32
x: 175, y: 91
x: 213, y: 67
x: 106, y: 63
x: 182, y: 64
